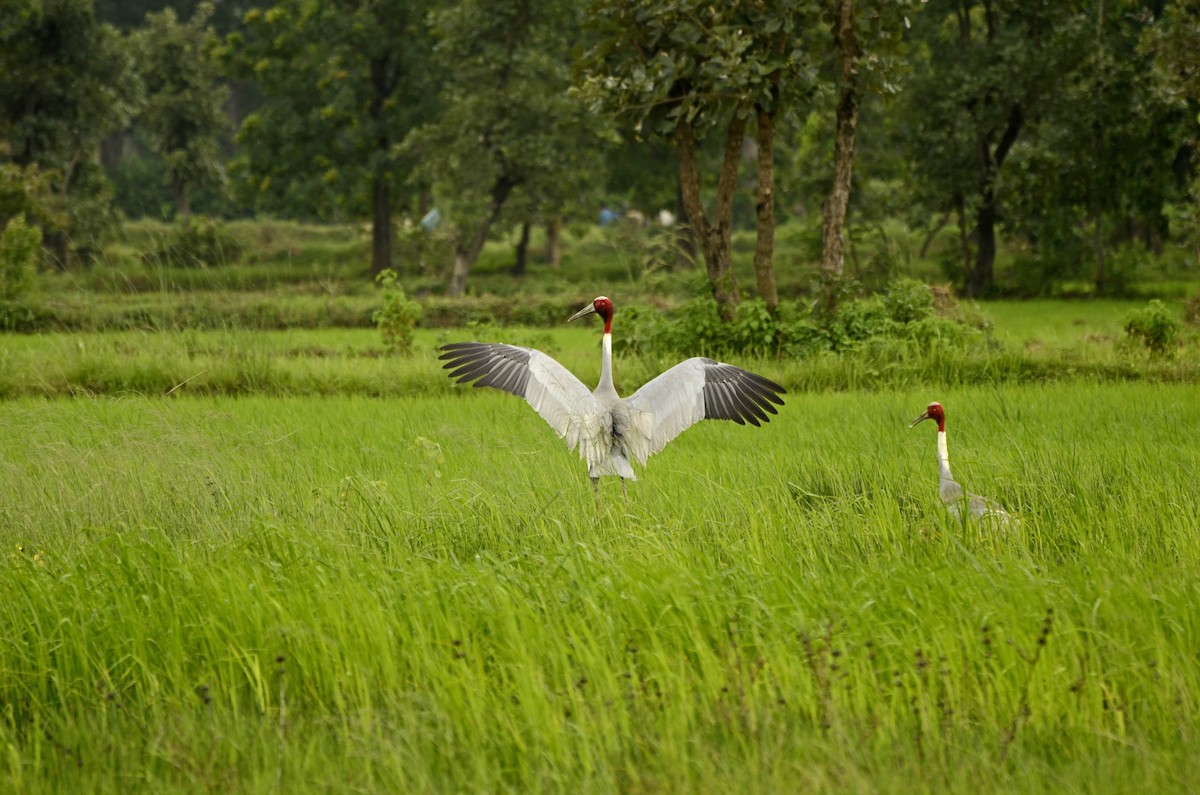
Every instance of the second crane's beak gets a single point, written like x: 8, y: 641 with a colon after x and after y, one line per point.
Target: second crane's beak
x: 924, y: 416
x: 587, y: 310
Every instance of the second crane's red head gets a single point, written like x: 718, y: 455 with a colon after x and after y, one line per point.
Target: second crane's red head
x: 601, y: 306
x: 933, y: 412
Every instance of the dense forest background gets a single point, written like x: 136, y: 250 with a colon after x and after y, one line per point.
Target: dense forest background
x: 1063, y: 133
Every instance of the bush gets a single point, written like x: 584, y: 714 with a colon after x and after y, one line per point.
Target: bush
x: 398, y: 316
x: 902, y: 318
x: 1191, y: 310
x: 1154, y: 328
x: 908, y: 300
x: 20, y: 245
x: 196, y: 243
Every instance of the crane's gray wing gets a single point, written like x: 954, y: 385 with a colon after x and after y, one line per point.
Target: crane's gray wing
x: 693, y: 390
x: 556, y: 395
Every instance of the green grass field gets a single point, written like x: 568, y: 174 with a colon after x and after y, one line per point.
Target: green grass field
x: 419, y: 594
x: 243, y: 549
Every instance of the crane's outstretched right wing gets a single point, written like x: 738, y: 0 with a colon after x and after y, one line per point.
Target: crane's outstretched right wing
x: 693, y: 390
x: 554, y: 392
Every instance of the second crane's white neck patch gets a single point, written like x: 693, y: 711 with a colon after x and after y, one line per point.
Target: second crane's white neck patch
x: 943, y: 457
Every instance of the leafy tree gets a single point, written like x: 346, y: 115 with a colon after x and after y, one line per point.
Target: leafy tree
x: 866, y: 43
x: 991, y: 66
x: 131, y: 14
x: 184, y: 116
x: 1172, y: 40
x: 344, y: 82
x: 506, y: 133
x: 687, y: 69
x: 1103, y: 154
x: 66, y: 82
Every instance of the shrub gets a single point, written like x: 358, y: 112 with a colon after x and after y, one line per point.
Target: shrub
x: 908, y: 300
x: 1154, y: 328
x: 901, y: 319
x: 398, y: 316
x: 20, y: 247
x: 1191, y: 310
x: 196, y: 243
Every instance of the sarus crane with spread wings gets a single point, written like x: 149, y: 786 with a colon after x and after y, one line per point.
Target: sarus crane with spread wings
x: 611, y: 432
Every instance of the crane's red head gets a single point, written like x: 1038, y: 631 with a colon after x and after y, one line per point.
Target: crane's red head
x: 933, y: 412
x: 601, y: 306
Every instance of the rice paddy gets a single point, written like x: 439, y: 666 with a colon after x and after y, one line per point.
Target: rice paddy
x: 412, y: 589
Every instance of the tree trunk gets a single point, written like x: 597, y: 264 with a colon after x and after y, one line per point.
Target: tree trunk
x: 833, y: 251
x: 684, y: 239
x: 467, y: 250
x: 522, y: 252
x: 964, y: 240
x: 381, y: 227
x: 941, y: 224
x: 554, y: 242
x: 764, y: 245
x: 179, y: 195
x: 715, y: 237
x: 982, y: 277
x: 1101, y: 280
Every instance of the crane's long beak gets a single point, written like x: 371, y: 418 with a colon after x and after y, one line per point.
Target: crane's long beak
x: 587, y: 310
x: 924, y: 416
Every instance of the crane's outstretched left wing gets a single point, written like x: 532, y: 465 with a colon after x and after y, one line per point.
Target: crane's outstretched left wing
x: 693, y: 390
x: 555, y: 393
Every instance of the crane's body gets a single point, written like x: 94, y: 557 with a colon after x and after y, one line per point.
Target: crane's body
x: 611, y: 432
x: 956, y: 499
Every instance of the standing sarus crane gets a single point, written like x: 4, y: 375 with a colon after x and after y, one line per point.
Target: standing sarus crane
x: 609, y: 431
x: 952, y: 494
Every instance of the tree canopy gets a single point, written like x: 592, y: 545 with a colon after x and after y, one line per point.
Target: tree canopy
x: 1064, y: 130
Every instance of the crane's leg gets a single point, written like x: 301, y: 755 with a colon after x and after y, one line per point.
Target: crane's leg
x: 625, y: 490
x: 596, y: 494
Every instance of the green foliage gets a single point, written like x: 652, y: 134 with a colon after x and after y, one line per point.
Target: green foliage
x: 397, y: 318
x: 195, y: 243
x: 1191, y: 310
x: 904, y: 316
x: 29, y: 191
x: 66, y: 82
x: 342, y: 84
x: 20, y: 251
x: 1154, y: 328
x: 507, y: 141
x: 662, y: 65
x: 908, y: 300
x: 184, y: 115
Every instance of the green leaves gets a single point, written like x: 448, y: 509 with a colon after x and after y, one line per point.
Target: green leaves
x: 184, y: 116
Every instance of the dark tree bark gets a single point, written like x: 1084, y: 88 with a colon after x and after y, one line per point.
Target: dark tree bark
x: 713, y: 236
x: 382, y: 235
x: 521, y: 262
x: 466, y: 251
x: 981, y: 277
x: 764, y: 245
x: 553, y: 254
x: 833, y: 247
x: 183, y: 205
x: 385, y: 81
x: 684, y: 239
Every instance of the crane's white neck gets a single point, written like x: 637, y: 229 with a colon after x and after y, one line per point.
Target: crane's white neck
x: 943, y: 458
x: 606, y: 367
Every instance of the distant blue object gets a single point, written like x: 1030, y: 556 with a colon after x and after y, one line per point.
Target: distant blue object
x: 431, y: 220
x: 608, y: 216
